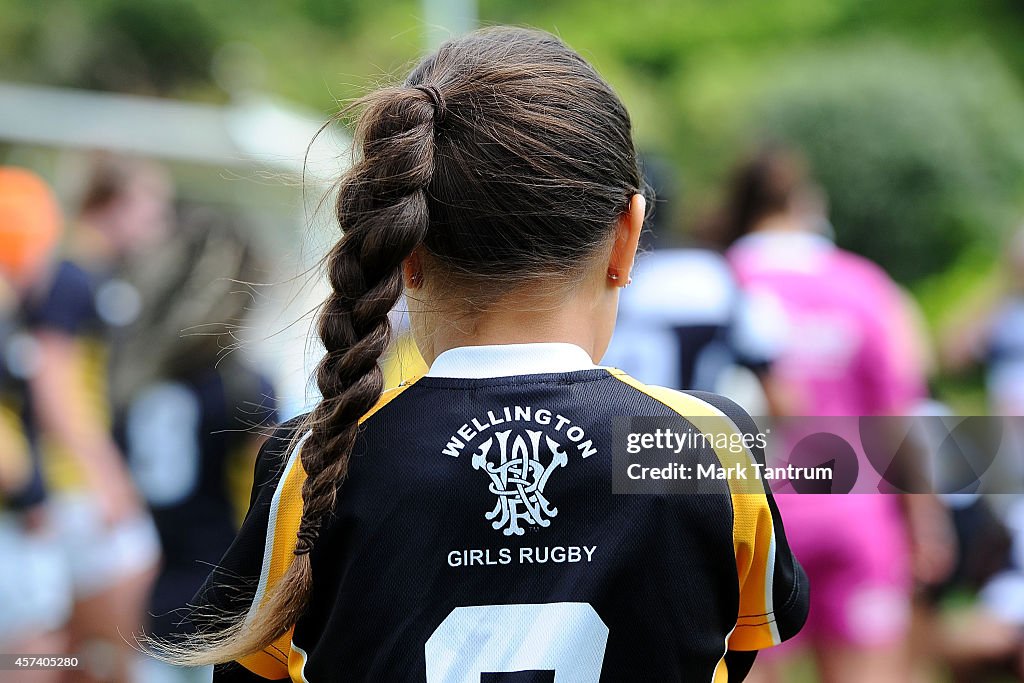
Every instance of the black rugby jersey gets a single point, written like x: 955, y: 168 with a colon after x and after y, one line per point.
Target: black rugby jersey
x: 84, y: 306
x: 439, y: 567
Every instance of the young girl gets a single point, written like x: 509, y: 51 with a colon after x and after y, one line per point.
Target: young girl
x: 462, y: 527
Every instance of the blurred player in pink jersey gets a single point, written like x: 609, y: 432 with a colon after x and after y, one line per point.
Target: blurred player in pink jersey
x: 850, y: 348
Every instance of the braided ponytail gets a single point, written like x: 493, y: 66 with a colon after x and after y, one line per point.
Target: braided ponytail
x: 382, y: 210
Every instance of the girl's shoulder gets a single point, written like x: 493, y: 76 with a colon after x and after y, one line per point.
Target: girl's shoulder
x: 688, y: 403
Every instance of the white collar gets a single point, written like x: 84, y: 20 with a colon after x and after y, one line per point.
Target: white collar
x: 505, y: 360
x: 783, y: 239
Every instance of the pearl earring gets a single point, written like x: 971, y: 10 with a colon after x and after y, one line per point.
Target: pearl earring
x: 614, y: 277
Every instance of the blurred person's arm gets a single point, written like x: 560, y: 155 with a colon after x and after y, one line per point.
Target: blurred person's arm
x: 964, y: 338
x: 930, y: 530
x: 66, y: 413
x: 909, y: 469
x: 780, y: 400
x: 897, y: 368
x: 933, y: 541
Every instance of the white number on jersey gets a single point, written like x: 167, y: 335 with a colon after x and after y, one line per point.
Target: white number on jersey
x: 163, y: 443
x: 568, y: 638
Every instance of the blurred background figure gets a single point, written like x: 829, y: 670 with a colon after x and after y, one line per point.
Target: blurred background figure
x: 34, y: 587
x: 849, y: 349
x: 983, y: 642
x: 110, y: 542
x: 684, y: 322
x: 191, y: 411
x: 992, y: 336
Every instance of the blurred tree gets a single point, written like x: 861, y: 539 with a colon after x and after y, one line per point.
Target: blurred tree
x: 342, y: 15
x: 937, y: 118
x: 921, y: 156
x: 162, y: 46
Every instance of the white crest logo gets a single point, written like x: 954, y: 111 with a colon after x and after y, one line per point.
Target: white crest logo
x: 519, y: 479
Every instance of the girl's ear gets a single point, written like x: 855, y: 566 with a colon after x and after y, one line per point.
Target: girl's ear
x: 627, y: 239
x: 412, y: 270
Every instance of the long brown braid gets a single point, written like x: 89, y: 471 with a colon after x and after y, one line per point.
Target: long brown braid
x: 382, y: 205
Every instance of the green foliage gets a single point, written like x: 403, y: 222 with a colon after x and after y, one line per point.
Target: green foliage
x: 922, y: 156
x: 163, y: 46
x: 907, y: 107
x: 159, y: 47
x: 342, y: 15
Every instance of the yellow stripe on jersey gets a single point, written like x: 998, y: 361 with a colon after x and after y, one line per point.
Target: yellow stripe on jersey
x: 721, y: 671
x: 752, y: 526
x: 282, y: 659
x: 297, y: 664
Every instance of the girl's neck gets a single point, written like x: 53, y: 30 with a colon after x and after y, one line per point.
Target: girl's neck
x: 572, y: 321
x: 781, y: 222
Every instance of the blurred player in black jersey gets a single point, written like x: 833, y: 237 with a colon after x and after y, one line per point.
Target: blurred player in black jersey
x: 194, y: 409
x: 35, y: 595
x: 109, y: 540
x: 685, y: 322
x: 462, y: 527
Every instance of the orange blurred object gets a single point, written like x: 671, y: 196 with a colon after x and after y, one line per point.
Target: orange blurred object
x: 30, y: 223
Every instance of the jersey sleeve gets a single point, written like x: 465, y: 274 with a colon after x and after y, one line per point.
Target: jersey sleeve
x: 771, y: 585
x: 258, y: 557
x: 68, y: 305
x: 773, y: 588
x: 264, y: 548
